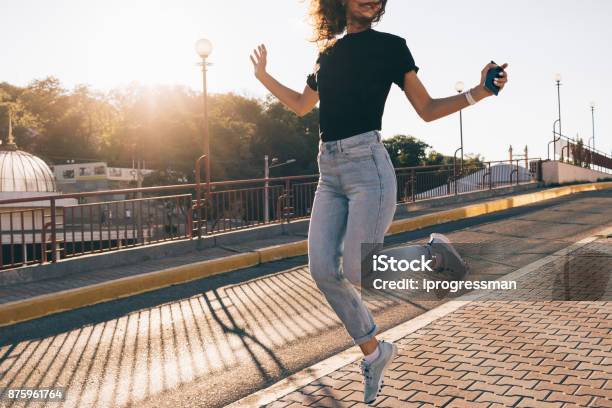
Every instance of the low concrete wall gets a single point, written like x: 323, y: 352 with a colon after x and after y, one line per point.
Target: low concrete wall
x: 130, y: 256
x: 558, y: 172
x: 406, y: 208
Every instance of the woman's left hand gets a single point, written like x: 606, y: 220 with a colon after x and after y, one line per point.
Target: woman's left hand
x: 499, y: 81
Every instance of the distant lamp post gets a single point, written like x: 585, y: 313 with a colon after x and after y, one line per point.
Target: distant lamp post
x: 459, y: 86
x: 203, y: 48
x: 558, y: 81
x: 593, y: 122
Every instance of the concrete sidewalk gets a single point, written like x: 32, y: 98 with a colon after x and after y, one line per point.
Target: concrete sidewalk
x: 547, y: 345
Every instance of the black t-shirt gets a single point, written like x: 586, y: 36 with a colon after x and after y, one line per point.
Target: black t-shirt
x: 354, y: 77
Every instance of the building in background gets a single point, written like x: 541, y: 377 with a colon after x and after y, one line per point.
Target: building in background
x: 94, y: 176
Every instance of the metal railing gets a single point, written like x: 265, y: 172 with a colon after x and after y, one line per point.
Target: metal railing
x: 570, y: 150
x: 46, y: 228
x: 424, y: 182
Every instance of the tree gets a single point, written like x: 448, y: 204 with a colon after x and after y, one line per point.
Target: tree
x: 406, y: 151
x: 25, y: 124
x: 284, y: 135
x: 163, y: 125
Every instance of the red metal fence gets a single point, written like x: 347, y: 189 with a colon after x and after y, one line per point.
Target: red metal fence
x: 46, y: 228
x: 573, y: 151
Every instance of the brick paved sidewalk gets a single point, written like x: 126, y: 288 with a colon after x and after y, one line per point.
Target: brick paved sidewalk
x: 526, y: 352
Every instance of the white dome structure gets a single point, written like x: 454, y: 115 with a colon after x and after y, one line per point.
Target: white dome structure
x: 23, y: 172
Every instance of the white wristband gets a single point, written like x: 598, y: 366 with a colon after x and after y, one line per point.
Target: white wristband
x: 470, y: 98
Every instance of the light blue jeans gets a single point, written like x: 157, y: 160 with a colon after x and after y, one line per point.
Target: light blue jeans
x: 354, y: 203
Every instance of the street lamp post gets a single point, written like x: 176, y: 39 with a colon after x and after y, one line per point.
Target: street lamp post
x: 558, y: 81
x: 593, y: 122
x: 459, y: 88
x: 266, y: 190
x: 203, y: 48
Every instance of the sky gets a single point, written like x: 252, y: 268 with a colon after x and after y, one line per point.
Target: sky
x: 108, y: 44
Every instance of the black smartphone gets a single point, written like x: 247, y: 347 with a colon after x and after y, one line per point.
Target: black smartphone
x: 493, y: 73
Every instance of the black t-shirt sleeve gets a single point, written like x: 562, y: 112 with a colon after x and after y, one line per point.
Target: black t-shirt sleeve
x: 402, y: 62
x: 311, y: 80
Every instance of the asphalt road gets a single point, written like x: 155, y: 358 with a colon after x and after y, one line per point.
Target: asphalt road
x: 213, y: 341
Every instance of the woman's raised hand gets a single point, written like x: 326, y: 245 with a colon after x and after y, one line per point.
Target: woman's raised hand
x: 499, y: 81
x: 260, y: 60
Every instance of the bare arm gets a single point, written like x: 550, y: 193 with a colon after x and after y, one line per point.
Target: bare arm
x: 430, y: 109
x: 300, y: 103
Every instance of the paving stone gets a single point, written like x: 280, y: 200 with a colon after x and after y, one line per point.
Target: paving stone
x: 527, y: 352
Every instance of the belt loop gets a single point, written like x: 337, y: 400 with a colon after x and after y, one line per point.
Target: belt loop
x: 339, y: 143
x: 378, y: 136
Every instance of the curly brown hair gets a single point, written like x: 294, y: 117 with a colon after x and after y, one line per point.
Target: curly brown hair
x: 329, y: 19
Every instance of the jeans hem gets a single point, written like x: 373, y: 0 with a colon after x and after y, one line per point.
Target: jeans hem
x: 367, y: 337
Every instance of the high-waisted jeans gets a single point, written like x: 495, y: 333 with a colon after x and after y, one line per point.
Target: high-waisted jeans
x: 354, y: 203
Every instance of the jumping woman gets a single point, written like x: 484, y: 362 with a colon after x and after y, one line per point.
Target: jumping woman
x: 356, y: 194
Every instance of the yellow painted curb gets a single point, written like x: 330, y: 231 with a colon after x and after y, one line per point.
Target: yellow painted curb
x: 283, y: 251
x: 39, y: 306
x: 501, y: 204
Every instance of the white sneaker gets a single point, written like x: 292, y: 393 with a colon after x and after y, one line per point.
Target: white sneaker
x: 373, y: 373
x: 448, y: 261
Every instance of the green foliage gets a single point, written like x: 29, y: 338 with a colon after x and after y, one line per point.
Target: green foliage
x: 165, y: 177
x: 163, y: 125
x: 406, y: 151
